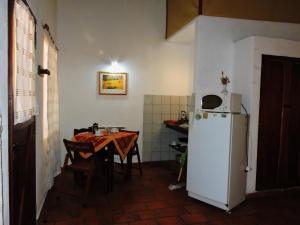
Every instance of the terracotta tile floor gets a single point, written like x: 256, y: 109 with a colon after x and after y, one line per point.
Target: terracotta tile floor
x: 146, y: 200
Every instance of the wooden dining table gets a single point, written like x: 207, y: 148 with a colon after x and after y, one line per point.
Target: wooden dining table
x: 121, y: 142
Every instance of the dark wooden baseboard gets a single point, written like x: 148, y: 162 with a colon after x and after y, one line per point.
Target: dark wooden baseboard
x: 271, y: 193
x: 154, y: 163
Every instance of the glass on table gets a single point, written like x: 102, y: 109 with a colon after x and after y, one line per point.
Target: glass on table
x: 108, y: 130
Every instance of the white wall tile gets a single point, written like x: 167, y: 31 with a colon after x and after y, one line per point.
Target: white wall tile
x: 147, y: 127
x: 188, y: 109
x: 156, y: 99
x: 173, y: 154
x: 146, y: 156
x: 146, y: 146
x: 164, y: 147
x: 175, y: 100
x: 183, y: 100
x: 148, y: 99
x: 148, y: 118
x: 183, y: 108
x: 174, y: 116
x: 155, y: 156
x: 157, y: 119
x: 165, y: 117
x: 165, y: 156
x: 189, y: 99
x: 157, y: 109
x: 155, y: 146
x: 175, y: 109
x: 147, y: 109
x: 166, y: 109
x: 156, y: 136
x: 165, y: 138
x: 156, y: 128
x: 147, y: 136
x: 166, y: 100
x: 165, y: 130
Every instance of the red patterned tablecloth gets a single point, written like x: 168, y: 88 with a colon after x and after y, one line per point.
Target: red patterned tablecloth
x: 123, y: 141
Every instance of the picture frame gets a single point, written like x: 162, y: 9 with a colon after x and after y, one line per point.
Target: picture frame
x: 112, y: 83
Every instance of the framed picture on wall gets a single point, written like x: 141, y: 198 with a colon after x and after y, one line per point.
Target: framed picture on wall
x: 112, y: 83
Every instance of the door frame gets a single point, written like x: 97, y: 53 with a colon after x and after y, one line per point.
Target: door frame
x: 289, y: 61
x: 251, y: 73
x: 261, y: 184
x: 11, y: 126
x: 10, y: 101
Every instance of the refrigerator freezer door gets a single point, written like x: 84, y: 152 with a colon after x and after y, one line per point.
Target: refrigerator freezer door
x: 208, y: 159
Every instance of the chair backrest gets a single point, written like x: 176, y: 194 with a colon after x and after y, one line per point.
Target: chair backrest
x: 119, y: 128
x: 78, y: 147
x: 82, y: 130
x: 131, y: 131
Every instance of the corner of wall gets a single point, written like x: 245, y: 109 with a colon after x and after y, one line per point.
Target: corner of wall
x: 4, y: 218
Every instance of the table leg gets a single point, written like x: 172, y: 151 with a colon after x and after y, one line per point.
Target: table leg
x: 110, y: 172
x: 129, y: 165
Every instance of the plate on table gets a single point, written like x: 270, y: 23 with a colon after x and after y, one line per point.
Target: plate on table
x: 114, y: 130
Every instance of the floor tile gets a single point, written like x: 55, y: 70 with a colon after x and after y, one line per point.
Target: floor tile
x: 193, y: 218
x: 170, y: 221
x: 157, y: 205
x: 146, y: 200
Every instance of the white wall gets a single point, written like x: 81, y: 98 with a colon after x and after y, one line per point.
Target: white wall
x: 215, y: 52
x: 45, y: 11
x: 93, y: 34
x: 215, y: 43
x: 243, y: 66
x: 252, y: 49
x: 3, y: 110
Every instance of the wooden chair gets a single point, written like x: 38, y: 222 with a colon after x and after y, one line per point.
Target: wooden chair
x: 82, y: 130
x: 80, y: 165
x: 135, y: 151
x: 101, y: 157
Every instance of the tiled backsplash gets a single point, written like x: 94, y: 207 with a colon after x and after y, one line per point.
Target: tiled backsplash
x: 156, y: 137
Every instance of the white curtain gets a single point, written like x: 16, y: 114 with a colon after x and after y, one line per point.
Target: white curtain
x: 24, y: 82
x: 53, y: 111
x: 51, y: 137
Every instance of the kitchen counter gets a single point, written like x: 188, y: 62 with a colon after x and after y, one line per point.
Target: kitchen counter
x: 181, y: 128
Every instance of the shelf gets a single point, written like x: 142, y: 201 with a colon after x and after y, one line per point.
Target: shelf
x: 179, y: 147
x: 177, y: 127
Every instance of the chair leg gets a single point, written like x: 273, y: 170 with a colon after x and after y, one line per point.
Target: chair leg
x: 139, y: 160
x: 122, y: 163
x: 87, y: 188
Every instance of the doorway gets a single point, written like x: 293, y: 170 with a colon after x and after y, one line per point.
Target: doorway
x: 278, y: 159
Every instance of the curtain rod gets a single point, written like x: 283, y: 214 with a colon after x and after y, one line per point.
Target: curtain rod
x: 34, y: 18
x: 47, y: 28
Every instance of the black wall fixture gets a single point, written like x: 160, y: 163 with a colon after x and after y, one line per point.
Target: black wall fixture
x: 42, y: 71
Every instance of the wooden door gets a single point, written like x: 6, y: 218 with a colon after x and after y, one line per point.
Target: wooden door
x: 22, y: 174
x: 22, y: 188
x: 294, y: 127
x: 278, y: 157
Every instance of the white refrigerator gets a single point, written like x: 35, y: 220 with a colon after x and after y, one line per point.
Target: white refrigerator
x: 217, y: 159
